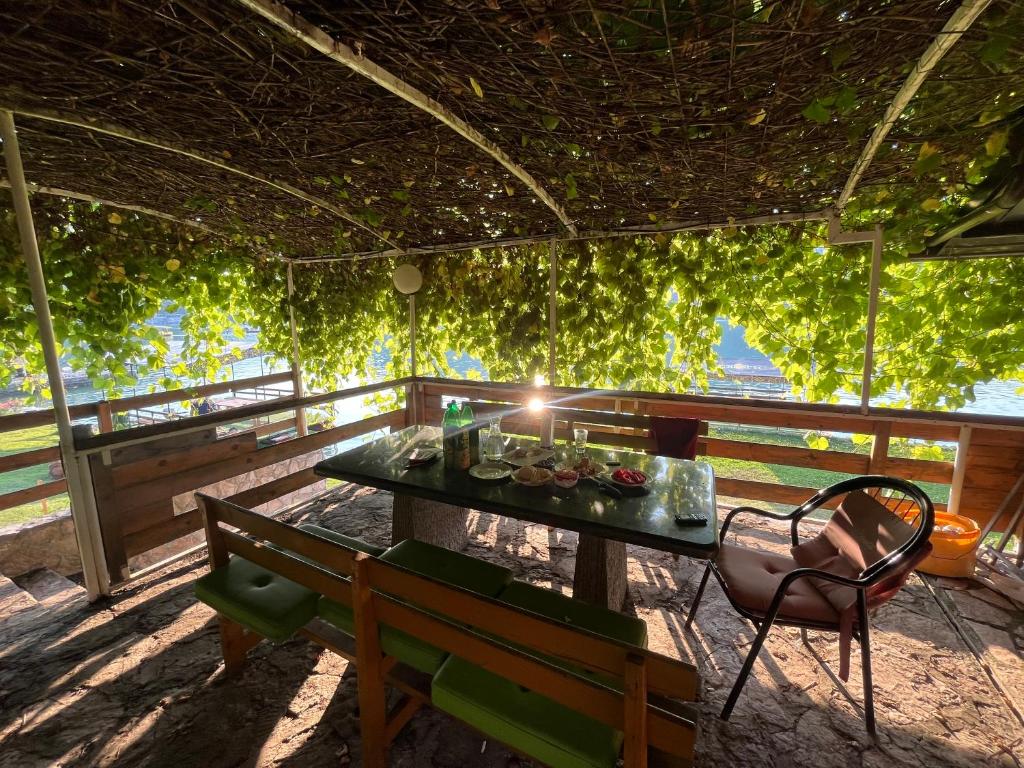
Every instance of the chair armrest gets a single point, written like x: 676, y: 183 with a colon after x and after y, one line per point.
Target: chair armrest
x: 754, y: 511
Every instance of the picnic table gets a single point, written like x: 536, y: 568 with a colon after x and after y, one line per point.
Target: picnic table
x: 431, y: 503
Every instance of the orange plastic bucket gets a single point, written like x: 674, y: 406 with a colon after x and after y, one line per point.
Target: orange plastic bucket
x: 954, y: 545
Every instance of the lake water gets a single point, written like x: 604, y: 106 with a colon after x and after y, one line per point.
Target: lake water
x: 736, y: 357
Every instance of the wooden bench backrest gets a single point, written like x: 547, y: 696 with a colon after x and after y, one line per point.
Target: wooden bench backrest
x: 381, y: 592
x: 629, y: 430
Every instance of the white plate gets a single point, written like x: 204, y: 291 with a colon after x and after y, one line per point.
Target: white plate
x: 490, y: 470
x: 629, y: 488
x: 547, y: 477
x: 527, y: 461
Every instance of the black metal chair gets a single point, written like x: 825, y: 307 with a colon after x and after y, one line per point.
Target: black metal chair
x: 875, y: 516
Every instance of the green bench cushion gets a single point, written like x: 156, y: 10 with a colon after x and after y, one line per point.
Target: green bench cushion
x: 338, y: 614
x: 529, y: 722
x: 258, y: 599
x: 436, y: 562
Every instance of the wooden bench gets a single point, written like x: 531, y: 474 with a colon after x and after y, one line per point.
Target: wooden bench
x: 561, y: 681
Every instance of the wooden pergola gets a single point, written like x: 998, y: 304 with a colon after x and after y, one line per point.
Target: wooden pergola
x: 333, y: 130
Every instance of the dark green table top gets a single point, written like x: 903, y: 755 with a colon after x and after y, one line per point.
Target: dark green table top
x: 646, y: 520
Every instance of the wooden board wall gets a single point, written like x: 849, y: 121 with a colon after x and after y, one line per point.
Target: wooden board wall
x: 135, y: 485
x: 995, y: 460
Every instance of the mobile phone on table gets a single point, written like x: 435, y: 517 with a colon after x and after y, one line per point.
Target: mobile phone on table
x: 689, y: 519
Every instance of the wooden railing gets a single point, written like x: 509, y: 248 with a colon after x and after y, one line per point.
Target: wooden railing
x: 990, y: 453
x: 103, y: 413
x: 136, y: 473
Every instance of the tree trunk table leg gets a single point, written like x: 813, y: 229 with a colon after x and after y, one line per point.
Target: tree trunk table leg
x: 436, y: 523
x: 600, y: 576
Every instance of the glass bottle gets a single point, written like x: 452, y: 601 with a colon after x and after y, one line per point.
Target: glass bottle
x: 449, y: 432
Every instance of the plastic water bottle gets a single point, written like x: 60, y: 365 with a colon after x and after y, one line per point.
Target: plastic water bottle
x: 450, y: 431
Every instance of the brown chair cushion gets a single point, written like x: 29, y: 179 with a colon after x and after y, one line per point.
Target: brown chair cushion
x: 861, y: 532
x: 752, y: 576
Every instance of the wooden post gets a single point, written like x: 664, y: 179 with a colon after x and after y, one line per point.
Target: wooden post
x: 880, y: 448
x: 634, y: 750
x: 956, y: 486
x: 104, y: 416
x: 370, y: 676
x: 233, y: 644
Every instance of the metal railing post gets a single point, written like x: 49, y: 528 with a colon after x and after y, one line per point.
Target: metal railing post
x: 83, y: 503
x: 876, y: 237
x: 552, y: 311
x: 869, y: 344
x: 297, y: 386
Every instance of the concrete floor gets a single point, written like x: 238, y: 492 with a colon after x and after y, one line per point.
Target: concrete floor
x: 136, y: 681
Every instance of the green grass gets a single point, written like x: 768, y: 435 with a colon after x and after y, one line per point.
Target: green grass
x: 17, y: 442
x: 801, y: 476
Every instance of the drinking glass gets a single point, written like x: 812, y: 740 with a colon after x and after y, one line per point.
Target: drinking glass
x: 580, y: 441
x: 494, y: 443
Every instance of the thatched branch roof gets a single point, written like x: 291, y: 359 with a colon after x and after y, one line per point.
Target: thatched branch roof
x: 627, y: 115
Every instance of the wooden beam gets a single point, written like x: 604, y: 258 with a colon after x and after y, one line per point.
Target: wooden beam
x: 29, y: 458
x: 127, y: 134
x: 951, y: 32
x: 931, y: 425
x: 32, y: 493
x: 316, y: 38
x: 880, y: 448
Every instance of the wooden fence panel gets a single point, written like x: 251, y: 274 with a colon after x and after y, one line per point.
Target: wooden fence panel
x: 135, y: 491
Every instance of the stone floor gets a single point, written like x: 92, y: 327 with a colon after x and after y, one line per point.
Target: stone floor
x: 136, y: 681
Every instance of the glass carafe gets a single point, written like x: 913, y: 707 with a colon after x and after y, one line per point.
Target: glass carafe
x: 494, y: 441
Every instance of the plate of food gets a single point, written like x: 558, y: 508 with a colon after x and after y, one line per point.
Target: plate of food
x: 533, y: 476
x: 527, y: 456
x: 490, y: 470
x: 566, y: 478
x: 630, y: 480
x: 585, y: 467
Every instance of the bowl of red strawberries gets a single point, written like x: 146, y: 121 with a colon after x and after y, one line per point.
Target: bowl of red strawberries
x: 630, y: 480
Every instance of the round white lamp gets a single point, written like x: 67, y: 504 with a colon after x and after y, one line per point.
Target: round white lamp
x: 407, y: 279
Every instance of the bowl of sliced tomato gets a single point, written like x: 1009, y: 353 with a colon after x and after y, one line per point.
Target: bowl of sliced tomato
x: 630, y: 480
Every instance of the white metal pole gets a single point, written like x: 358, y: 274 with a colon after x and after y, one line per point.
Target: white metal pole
x: 552, y: 311
x: 869, y: 345
x: 298, y: 389
x: 412, y: 334
x: 86, y: 522
x: 412, y: 355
